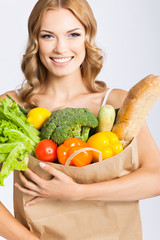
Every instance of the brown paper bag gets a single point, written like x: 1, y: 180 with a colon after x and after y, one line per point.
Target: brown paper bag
x: 84, y: 220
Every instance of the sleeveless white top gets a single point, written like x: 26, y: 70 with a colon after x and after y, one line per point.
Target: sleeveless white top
x: 17, y: 92
x: 106, y: 97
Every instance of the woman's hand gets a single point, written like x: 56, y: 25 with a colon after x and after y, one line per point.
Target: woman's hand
x: 60, y: 186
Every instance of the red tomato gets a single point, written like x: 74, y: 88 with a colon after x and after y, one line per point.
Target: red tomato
x: 46, y: 150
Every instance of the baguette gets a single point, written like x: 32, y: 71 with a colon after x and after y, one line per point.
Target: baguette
x: 135, y: 108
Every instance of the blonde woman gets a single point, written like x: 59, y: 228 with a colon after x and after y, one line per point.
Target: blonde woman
x: 60, y: 65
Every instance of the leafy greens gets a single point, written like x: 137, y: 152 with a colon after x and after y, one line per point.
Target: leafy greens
x: 18, y: 138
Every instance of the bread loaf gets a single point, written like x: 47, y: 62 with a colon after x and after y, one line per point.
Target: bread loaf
x: 135, y: 108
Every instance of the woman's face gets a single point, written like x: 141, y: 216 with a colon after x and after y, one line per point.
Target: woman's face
x: 61, y: 42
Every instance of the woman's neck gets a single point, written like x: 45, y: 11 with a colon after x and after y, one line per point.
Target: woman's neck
x: 65, y: 87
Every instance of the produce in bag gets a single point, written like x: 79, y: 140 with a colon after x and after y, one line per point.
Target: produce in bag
x: 69, y: 123
x: 97, y: 213
x: 106, y: 118
x: 18, y: 138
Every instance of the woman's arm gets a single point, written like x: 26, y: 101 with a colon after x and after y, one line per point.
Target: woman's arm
x: 140, y: 184
x: 11, y: 229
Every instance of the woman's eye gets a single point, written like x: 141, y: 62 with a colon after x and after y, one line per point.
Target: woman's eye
x: 47, y: 36
x: 74, y: 35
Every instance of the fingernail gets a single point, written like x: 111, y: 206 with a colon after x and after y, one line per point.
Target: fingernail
x: 42, y: 164
x: 15, y: 185
x: 27, y: 204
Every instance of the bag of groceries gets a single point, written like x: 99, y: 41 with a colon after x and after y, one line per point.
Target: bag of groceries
x: 77, y: 220
x: 89, y: 220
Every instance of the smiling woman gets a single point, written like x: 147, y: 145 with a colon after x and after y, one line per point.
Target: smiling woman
x: 60, y: 49
x: 62, y: 46
x: 61, y: 66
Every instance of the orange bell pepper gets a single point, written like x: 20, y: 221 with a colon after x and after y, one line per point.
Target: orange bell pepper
x: 71, y: 145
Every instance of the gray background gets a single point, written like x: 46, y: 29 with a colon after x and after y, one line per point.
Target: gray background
x: 128, y: 32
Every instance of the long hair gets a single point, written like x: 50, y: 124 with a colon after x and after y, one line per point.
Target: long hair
x: 34, y: 71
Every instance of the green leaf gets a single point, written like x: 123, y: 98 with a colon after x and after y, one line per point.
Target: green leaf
x: 23, y: 110
x: 18, y: 139
x: 17, y: 159
x: 11, y: 112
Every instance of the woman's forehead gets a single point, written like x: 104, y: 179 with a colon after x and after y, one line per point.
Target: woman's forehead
x: 60, y: 19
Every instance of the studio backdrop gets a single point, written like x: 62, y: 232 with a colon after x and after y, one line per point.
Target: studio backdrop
x: 129, y: 35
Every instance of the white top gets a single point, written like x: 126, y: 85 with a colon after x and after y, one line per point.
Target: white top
x: 106, y: 97
x: 17, y: 92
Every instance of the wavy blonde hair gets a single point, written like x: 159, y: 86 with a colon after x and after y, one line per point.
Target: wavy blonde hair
x: 33, y: 69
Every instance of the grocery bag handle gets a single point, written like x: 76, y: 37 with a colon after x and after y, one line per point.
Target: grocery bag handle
x: 69, y: 159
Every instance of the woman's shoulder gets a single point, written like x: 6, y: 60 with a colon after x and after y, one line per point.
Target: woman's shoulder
x: 116, y: 97
x: 13, y: 94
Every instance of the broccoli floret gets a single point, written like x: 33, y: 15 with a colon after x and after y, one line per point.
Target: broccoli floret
x: 69, y: 123
x: 47, y: 130
x: 61, y: 133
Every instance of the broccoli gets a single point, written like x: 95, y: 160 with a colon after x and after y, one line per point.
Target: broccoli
x: 69, y: 123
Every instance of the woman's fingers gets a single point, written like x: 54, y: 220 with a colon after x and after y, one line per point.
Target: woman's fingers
x: 34, y: 201
x: 34, y: 177
x: 25, y: 190
x: 55, y: 188
x: 28, y: 184
x: 54, y: 172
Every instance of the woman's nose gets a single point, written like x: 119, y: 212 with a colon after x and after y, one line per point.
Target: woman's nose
x: 61, y: 46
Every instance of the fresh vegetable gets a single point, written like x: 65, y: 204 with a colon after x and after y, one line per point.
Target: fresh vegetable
x: 62, y: 153
x: 69, y: 123
x: 106, y: 142
x: 70, y: 146
x: 18, y: 138
x: 13, y: 156
x: 63, y: 149
x: 37, y: 116
x: 82, y: 159
x: 11, y: 112
x: 46, y: 150
x: 75, y: 142
x: 106, y: 118
x: 23, y: 110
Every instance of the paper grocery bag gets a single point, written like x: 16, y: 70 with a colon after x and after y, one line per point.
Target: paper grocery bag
x: 84, y: 220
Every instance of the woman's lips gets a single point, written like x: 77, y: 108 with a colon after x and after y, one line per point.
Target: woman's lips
x: 61, y: 61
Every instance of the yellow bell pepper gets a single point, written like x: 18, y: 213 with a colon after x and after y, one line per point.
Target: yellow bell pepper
x: 107, y: 142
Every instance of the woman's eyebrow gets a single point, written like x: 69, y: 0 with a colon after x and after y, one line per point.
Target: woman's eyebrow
x: 75, y: 29
x: 72, y: 30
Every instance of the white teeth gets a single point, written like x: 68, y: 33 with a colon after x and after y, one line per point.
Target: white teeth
x: 61, y: 60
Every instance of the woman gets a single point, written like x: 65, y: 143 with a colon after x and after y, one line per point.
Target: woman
x: 60, y: 66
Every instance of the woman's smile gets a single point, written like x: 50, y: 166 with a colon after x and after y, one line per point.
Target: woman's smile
x: 61, y: 45
x: 60, y: 62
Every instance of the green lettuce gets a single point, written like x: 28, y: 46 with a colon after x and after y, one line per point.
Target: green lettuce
x: 10, y: 111
x: 18, y: 139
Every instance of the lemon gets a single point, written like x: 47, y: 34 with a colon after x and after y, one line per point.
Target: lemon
x: 37, y: 116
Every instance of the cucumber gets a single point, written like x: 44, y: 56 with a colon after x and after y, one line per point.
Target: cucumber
x: 106, y: 118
